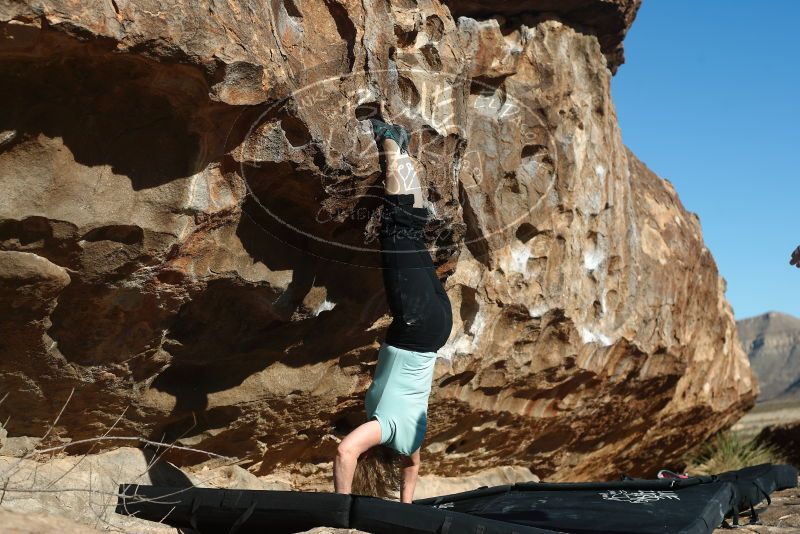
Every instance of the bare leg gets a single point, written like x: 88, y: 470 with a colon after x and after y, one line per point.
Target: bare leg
x: 401, y: 175
x: 408, y: 480
x: 356, y: 442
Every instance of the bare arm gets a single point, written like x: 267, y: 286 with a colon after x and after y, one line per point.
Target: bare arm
x: 408, y: 476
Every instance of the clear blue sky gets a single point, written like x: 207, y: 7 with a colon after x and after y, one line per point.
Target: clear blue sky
x: 708, y: 99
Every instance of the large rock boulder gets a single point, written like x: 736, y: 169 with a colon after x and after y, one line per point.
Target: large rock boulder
x: 54, y: 493
x: 191, y: 194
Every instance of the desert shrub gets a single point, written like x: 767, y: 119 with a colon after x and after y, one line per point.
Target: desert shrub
x: 728, y: 451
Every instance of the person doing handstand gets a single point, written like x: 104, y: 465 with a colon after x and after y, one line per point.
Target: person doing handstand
x: 397, y: 400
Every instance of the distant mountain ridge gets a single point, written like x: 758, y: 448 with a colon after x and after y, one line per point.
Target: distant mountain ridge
x: 772, y: 341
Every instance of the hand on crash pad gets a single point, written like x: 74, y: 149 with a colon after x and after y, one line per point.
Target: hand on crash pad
x: 795, y: 258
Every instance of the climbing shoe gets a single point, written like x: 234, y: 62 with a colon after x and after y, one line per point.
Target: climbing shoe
x: 395, y: 132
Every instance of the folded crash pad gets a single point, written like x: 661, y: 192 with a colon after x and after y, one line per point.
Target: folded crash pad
x: 682, y: 506
x: 695, y: 505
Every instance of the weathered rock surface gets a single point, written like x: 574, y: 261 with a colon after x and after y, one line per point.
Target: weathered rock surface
x: 190, y: 196
x: 83, y: 489
x: 772, y: 342
x: 608, y: 20
x: 22, y: 523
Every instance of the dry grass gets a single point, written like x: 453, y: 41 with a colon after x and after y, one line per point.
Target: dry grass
x: 728, y: 451
x: 101, y: 504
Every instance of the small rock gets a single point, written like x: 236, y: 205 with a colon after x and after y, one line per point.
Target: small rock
x: 17, y: 446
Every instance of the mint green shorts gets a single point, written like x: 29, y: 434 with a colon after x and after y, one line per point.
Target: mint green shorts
x: 398, y: 396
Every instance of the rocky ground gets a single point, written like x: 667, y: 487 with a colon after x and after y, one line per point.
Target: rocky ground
x: 78, y: 493
x: 781, y: 517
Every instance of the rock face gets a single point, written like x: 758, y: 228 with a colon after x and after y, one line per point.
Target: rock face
x: 772, y: 342
x: 190, y: 198
x: 608, y: 20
